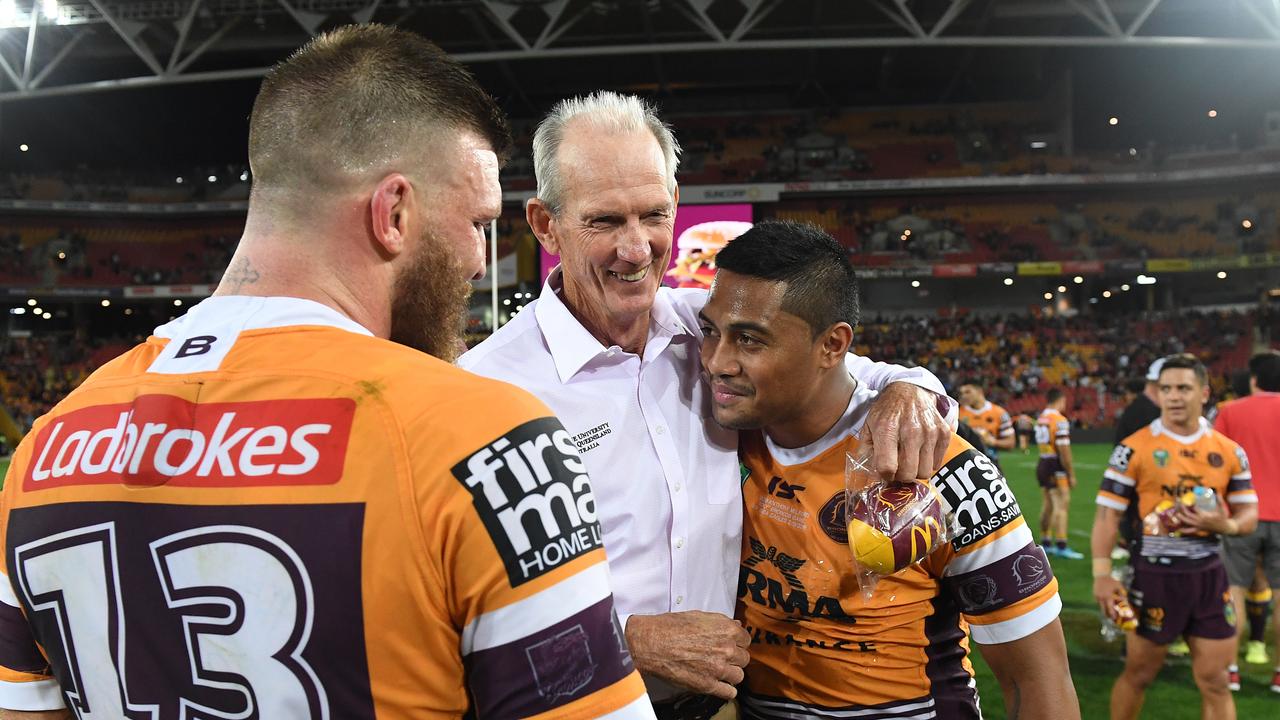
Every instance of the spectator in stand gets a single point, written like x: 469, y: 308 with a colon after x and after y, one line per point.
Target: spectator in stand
x: 1252, y: 421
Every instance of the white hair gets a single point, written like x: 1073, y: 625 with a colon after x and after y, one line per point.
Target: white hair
x: 610, y: 111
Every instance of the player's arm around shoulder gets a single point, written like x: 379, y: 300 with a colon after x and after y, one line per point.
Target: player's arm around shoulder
x: 509, y: 522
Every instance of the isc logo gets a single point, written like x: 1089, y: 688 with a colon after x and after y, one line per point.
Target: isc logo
x: 161, y: 439
x: 531, y: 489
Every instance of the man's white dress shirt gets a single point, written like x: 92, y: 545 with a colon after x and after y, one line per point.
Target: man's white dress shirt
x: 666, y: 478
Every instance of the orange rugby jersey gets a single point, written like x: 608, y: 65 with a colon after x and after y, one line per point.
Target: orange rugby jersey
x: 1052, y: 429
x: 263, y: 511
x: 1154, y: 464
x: 990, y: 417
x: 818, y: 647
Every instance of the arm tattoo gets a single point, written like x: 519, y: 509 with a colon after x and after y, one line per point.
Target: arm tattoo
x: 241, y: 273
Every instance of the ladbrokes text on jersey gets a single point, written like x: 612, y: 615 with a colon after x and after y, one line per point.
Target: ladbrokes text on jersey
x: 162, y: 439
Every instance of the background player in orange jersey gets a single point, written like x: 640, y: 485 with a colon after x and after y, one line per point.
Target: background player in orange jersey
x: 777, y: 325
x: 1056, y: 473
x: 992, y: 422
x: 279, y: 506
x: 1179, y: 585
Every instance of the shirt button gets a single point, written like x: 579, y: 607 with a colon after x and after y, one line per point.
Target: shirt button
x: 677, y: 488
x: 679, y: 599
x: 660, y: 429
x: 679, y: 543
x: 609, y: 353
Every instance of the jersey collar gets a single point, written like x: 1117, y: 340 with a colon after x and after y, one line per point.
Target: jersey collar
x: 258, y: 313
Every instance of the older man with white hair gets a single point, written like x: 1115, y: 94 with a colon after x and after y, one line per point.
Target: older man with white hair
x: 616, y: 356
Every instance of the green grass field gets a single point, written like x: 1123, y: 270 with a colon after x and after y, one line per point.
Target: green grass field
x: 1094, y: 662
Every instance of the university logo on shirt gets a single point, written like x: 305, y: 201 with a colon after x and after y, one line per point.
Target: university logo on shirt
x: 531, y: 489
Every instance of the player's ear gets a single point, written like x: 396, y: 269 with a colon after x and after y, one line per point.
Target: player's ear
x: 834, y: 345
x: 540, y: 217
x: 390, y: 208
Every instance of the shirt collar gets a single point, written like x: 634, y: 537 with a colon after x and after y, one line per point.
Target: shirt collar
x: 257, y: 312
x: 1158, y: 428
x: 572, y: 346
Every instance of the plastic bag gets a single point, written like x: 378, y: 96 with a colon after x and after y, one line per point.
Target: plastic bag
x: 1164, y: 518
x: 891, y: 525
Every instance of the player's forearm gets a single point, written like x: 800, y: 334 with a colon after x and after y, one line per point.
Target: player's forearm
x: 1245, y: 518
x: 1106, y: 526
x: 1006, y: 443
x: 1034, y: 676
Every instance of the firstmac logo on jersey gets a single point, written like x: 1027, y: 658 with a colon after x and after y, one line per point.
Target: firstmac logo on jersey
x: 531, y: 489
x: 977, y: 495
x: 165, y: 440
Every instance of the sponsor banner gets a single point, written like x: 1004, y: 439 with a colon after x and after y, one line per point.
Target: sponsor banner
x: 1039, y: 268
x: 997, y: 268
x: 1083, y: 267
x: 956, y: 270
x: 165, y: 440
x: 1169, y: 265
x: 168, y: 291
x: 747, y: 193
x: 62, y: 292
x: 530, y: 488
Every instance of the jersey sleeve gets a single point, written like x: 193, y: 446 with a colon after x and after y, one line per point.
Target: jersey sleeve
x: 26, y: 680
x: 523, y: 564
x: 1006, y: 424
x: 1062, y: 431
x: 993, y: 570
x: 1240, y: 487
x: 1119, y: 481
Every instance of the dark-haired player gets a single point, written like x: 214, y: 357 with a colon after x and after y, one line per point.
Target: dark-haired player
x: 777, y: 325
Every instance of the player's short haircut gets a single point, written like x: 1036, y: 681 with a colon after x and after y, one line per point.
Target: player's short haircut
x: 1053, y: 396
x: 822, y: 288
x: 359, y: 99
x: 1265, y: 368
x: 1186, y: 361
x: 605, y: 110
x: 972, y: 381
x: 1135, y: 385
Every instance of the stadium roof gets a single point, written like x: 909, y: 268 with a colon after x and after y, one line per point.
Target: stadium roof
x: 52, y: 47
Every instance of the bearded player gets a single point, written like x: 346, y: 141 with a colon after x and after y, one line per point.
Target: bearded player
x: 777, y: 325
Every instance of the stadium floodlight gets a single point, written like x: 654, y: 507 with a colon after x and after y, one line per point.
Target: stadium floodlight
x: 128, y: 311
x: 49, y: 8
x: 1106, y: 293
x: 213, y: 178
x: 506, y: 301
x: 177, y: 302
x: 244, y: 176
x: 1039, y: 144
x: 37, y: 311
x: 1133, y: 152
x: 1125, y: 287
x: 62, y: 255
x: 1222, y: 274
x: 18, y: 311
x: 1247, y: 224
x: 1048, y: 296
x: 1146, y: 280
x: 1077, y: 279
x: 1008, y: 281
x: 1093, y: 301
x: 31, y: 302
x: 1062, y: 288
x: 106, y: 303
x: 915, y: 283
x: 178, y: 179
x: 47, y: 315
x: 24, y: 147
x: 1213, y: 113
x: 1113, y: 121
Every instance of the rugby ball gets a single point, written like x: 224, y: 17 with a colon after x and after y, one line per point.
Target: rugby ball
x: 894, y: 525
